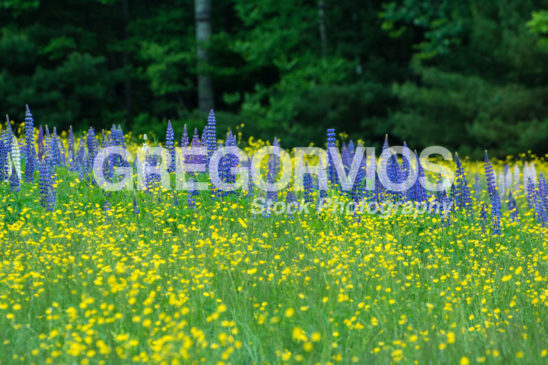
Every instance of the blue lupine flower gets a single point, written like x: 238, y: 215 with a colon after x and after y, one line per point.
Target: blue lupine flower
x: 308, y: 183
x: 14, y: 181
x: 211, y: 134
x: 170, y: 146
x: 184, y: 138
x: 92, y: 148
x: 462, y: 194
x: 3, y: 161
x: 540, y: 209
x: 191, y: 201
x: 331, y: 142
x: 493, y: 195
x: 29, y: 146
x: 47, y: 189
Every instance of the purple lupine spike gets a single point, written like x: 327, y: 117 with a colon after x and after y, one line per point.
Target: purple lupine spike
x: 92, y: 148
x: 3, y: 161
x: 493, y: 195
x: 350, y: 147
x: 419, y: 193
x: 170, y: 146
x: 211, y: 134
x: 14, y: 181
x: 359, y: 185
x: 54, y: 149
x: 462, y: 194
x: 175, y: 199
x: 184, y: 138
x: 81, y: 162
x: 47, y: 189
x: 29, y: 146
x: 540, y: 208
x: 331, y: 143
x: 308, y: 183
x: 191, y: 201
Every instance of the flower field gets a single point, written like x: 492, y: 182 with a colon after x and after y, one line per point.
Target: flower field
x: 166, y: 276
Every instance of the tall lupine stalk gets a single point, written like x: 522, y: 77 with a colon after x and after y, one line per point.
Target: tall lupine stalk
x: 30, y: 152
x: 3, y: 160
x: 540, y: 208
x: 91, y: 142
x: 331, y: 142
x: 54, y: 149
x: 211, y: 142
x: 47, y: 188
x: 170, y: 146
x: 184, y: 138
x: 14, y: 181
x: 81, y: 162
x: 493, y: 195
x: 462, y: 193
x: 228, y: 162
x: 308, y: 185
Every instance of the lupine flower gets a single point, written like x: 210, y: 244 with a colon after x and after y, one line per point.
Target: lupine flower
x: 170, y: 146
x: 493, y: 195
x: 308, y: 183
x: 29, y: 146
x: 540, y: 209
x: 331, y: 142
x: 462, y: 193
x: 191, y: 201
x: 14, y: 181
x: 92, y: 148
x: 211, y: 134
x: 47, y: 189
x: 184, y: 138
x: 3, y: 160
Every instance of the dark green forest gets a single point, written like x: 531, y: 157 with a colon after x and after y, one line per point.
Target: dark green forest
x: 466, y: 74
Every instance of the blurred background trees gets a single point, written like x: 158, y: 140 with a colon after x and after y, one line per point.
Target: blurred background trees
x: 467, y: 74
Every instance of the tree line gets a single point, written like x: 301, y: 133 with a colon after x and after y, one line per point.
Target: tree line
x: 466, y: 74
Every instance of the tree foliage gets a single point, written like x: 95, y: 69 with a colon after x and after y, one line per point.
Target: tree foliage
x: 468, y: 74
